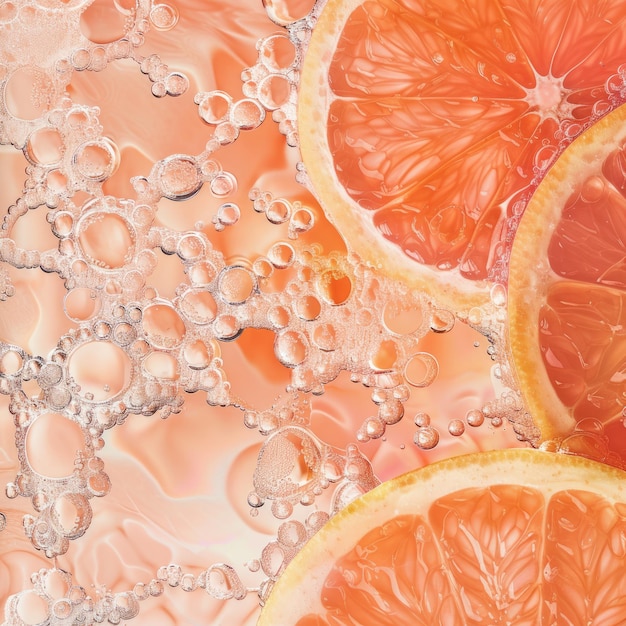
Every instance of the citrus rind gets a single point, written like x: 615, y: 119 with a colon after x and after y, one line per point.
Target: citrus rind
x: 448, y: 288
x: 413, y: 494
x: 530, y: 274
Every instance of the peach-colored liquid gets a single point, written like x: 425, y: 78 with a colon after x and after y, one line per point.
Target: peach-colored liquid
x: 201, y: 375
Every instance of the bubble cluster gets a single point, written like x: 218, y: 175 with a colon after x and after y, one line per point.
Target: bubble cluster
x: 272, y: 81
x: 135, y: 348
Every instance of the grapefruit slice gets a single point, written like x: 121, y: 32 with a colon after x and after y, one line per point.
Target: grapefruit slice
x: 520, y: 537
x: 567, y: 288
x: 424, y: 125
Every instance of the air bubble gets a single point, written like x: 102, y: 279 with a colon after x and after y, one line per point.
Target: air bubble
x: 32, y: 609
x: 161, y: 365
x: 191, y: 247
x: 308, y: 308
x: 263, y: 268
x: 475, y: 417
x: 375, y: 427
x: 276, y: 52
x: 421, y: 369
x: 247, y: 114
x: 45, y: 147
x: 301, y: 221
x: 228, y: 214
x: 325, y: 337
x: 281, y: 509
x: 29, y: 93
x: 71, y: 515
x: 10, y: 363
x: 442, y: 320
x: 498, y: 295
x: 81, y: 304
x: 226, y: 327
x: 62, y: 609
x: 456, y: 428
x: 107, y: 239
x: 52, y: 445
x: 282, y: 255
x: 426, y: 438
x: 274, y: 91
x: 97, y: 160
x: 291, y: 348
x: 279, y: 317
x: 214, y: 107
x: 163, y: 326
x: 223, y: 184
x: 226, y: 133
x: 421, y: 420
x: 197, y: 355
x: 109, y: 379
x: 176, y: 84
x: 236, y: 284
x: 180, y: 177
x: 278, y: 211
x: 198, y: 306
x: 391, y: 411
x: 163, y: 16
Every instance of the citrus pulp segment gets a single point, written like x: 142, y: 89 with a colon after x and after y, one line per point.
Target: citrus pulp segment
x: 567, y: 287
x: 424, y: 126
x: 520, y: 537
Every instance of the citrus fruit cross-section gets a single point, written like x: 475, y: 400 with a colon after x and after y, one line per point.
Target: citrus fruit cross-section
x: 567, y: 289
x: 520, y: 537
x: 425, y: 125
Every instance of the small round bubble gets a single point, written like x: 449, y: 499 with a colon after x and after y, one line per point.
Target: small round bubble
x: 164, y: 17
x: 223, y: 184
x: 228, y: 214
x: 281, y: 509
x: 247, y: 114
x: 421, y: 420
x: 426, y: 438
x: 456, y: 428
x: 474, y: 417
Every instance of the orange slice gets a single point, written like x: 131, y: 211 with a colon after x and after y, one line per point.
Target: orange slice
x: 567, y: 288
x: 518, y: 537
x: 424, y: 125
